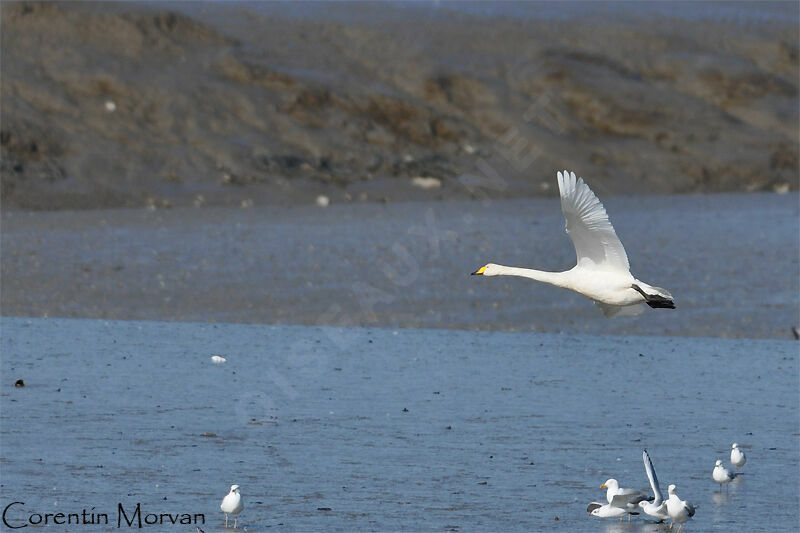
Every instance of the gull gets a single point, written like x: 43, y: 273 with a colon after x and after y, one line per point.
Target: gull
x: 217, y: 359
x: 658, y: 507
x: 232, y: 504
x: 679, y: 510
x: 721, y: 474
x: 611, y: 511
x: 619, y: 496
x: 737, y: 456
x: 602, y: 272
x: 624, y: 499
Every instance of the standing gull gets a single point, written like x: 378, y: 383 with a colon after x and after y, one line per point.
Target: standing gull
x: 679, y: 510
x: 602, y: 272
x: 721, y: 474
x: 737, y: 456
x: 625, y: 500
x: 658, y: 507
x: 232, y: 504
x: 616, y: 495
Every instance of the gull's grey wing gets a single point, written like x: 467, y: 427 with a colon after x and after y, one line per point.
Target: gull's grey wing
x: 596, y: 243
x: 651, y: 475
x: 593, y: 506
x: 628, y: 496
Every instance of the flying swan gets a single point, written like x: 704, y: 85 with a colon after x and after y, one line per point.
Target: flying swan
x: 602, y: 272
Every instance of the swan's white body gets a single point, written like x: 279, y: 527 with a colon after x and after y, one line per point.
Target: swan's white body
x: 656, y: 509
x: 602, y: 272
x: 232, y: 504
x: 721, y: 474
x: 679, y: 510
x: 737, y: 456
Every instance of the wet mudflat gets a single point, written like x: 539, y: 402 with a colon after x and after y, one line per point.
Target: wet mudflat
x: 731, y: 261
x: 390, y: 429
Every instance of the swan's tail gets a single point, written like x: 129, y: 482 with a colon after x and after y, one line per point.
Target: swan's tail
x: 655, y: 297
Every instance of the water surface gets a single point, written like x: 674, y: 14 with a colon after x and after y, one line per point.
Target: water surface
x: 392, y: 430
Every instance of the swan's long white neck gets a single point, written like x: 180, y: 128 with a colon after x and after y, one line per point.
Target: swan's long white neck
x: 559, y: 279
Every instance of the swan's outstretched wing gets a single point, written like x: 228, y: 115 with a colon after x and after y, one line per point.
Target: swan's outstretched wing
x: 651, y: 475
x: 596, y: 243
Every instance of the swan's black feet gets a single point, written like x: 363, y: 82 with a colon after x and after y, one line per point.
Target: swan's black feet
x: 655, y: 300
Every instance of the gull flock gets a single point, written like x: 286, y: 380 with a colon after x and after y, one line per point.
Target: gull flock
x: 624, y: 502
x: 621, y: 502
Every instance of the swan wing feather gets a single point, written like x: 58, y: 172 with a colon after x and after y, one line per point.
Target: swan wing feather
x: 596, y: 243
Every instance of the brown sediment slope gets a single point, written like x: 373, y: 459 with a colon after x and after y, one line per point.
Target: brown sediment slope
x: 109, y: 105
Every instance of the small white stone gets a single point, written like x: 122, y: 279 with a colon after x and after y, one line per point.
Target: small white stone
x: 781, y: 188
x: 110, y: 106
x: 323, y: 201
x: 426, y: 182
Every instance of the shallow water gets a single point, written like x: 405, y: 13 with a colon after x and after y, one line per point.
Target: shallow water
x: 390, y: 429
x: 742, y: 13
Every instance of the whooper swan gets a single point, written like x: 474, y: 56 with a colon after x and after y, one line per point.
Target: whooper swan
x: 602, y: 272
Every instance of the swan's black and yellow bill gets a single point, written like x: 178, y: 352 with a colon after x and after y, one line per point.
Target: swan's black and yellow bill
x: 479, y: 272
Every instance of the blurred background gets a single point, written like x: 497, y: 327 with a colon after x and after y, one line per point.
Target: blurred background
x: 352, y: 163
x: 189, y: 104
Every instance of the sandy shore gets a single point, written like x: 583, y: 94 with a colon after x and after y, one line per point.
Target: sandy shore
x: 127, y: 105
